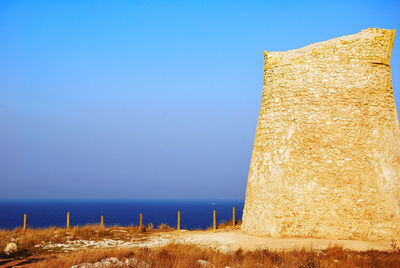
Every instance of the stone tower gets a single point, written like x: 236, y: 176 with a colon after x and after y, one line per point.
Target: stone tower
x: 326, y: 156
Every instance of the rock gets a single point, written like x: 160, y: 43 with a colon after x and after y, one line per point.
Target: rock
x: 10, y: 248
x: 205, y: 264
x: 105, y: 263
x: 113, y: 262
x: 131, y: 261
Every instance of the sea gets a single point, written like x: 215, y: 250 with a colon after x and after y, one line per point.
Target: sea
x: 46, y: 213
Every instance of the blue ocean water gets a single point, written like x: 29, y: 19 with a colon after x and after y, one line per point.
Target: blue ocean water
x: 194, y: 214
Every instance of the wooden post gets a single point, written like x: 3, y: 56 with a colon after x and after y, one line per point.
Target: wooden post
x: 24, y: 222
x: 67, y: 220
x: 102, y: 221
x: 214, y: 221
x: 141, y: 220
x: 179, y: 220
x: 233, y: 216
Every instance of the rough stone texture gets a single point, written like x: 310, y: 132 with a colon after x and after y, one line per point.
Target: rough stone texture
x: 326, y: 156
x: 10, y: 248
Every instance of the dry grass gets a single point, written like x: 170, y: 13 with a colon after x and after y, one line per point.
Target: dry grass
x: 177, y: 255
x: 223, y: 225
x: 229, y: 225
x: 183, y: 255
x: 84, y: 256
x: 26, y: 240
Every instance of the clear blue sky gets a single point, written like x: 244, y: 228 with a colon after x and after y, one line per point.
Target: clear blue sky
x: 148, y: 99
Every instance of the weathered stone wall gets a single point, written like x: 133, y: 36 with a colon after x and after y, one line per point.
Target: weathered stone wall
x: 326, y: 156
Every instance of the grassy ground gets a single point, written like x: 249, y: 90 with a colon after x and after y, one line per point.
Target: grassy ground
x: 26, y: 240
x: 179, y: 255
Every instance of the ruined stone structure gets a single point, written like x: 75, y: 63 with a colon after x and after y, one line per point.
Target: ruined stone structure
x: 326, y: 156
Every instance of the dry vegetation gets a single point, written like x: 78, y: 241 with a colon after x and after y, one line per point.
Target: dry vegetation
x: 181, y: 255
x: 178, y: 255
x: 26, y: 240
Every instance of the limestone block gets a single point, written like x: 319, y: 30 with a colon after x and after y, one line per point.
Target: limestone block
x: 10, y: 248
x: 326, y: 156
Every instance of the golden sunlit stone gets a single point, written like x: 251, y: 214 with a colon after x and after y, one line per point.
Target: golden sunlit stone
x: 326, y: 156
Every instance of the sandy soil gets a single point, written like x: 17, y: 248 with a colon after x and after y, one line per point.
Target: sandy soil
x: 234, y: 239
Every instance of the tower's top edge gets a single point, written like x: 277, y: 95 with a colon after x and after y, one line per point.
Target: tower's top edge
x: 370, y: 45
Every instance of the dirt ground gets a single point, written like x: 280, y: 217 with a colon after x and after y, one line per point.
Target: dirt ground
x: 235, y: 239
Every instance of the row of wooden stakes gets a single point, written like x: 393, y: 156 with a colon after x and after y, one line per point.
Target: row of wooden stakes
x: 141, y: 220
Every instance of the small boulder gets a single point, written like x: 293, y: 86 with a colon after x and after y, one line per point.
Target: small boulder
x: 10, y: 248
x: 131, y: 261
x: 113, y: 261
x: 105, y: 263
